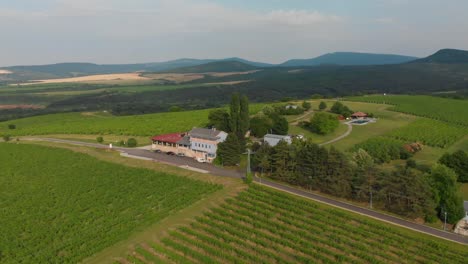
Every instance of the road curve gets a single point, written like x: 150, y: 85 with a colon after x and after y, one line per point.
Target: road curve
x: 180, y: 161
x: 350, y: 129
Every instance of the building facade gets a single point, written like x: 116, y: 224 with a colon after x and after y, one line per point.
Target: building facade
x: 199, y: 143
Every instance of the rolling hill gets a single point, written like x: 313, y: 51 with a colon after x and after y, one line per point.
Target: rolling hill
x: 350, y: 58
x: 446, y: 56
x: 64, y: 70
x: 217, y: 66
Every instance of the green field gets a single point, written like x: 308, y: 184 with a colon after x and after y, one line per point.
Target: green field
x: 266, y: 226
x: 59, y: 206
x: 448, y: 110
x: 430, y: 132
x: 94, y: 123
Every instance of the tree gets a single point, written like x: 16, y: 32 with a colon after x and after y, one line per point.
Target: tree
x: 407, y: 192
x: 260, y: 125
x: 280, y: 125
x: 234, y: 113
x: 219, y: 118
x: 244, y: 118
x: 306, y: 105
x: 364, y: 176
x: 341, y: 109
x: 323, y: 123
x: 458, y: 161
x: 229, y: 151
x: 322, y: 106
x: 100, y: 139
x: 131, y: 143
x: 444, y: 181
x: 11, y: 126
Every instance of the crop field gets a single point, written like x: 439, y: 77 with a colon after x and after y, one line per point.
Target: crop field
x: 448, y: 110
x: 430, y: 132
x: 59, y: 206
x: 106, y: 124
x: 266, y: 226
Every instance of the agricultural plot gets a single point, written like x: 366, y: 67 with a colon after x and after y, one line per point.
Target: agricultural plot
x: 266, y: 226
x: 106, y: 124
x: 58, y: 206
x: 447, y: 110
x: 430, y: 132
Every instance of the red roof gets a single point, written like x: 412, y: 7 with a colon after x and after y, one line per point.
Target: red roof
x: 359, y: 114
x: 169, y: 138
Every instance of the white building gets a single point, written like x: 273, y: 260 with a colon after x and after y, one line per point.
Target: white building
x: 273, y: 139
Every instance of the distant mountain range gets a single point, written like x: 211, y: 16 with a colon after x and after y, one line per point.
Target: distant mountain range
x: 61, y: 70
x: 350, y: 58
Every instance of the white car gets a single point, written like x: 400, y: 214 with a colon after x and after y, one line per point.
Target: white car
x: 201, y: 160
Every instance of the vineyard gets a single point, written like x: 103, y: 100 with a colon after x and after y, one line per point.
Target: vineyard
x: 106, y: 124
x: 266, y: 226
x: 58, y: 206
x: 430, y: 132
x: 447, y: 110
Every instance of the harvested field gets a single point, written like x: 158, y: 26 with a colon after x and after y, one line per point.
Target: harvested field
x: 92, y: 78
x: 5, y: 72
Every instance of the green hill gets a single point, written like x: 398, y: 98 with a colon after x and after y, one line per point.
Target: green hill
x: 350, y: 58
x: 449, y: 56
x: 218, y: 66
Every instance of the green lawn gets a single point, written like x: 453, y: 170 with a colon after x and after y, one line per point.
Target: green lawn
x: 386, y: 121
x: 60, y: 206
x: 316, y: 138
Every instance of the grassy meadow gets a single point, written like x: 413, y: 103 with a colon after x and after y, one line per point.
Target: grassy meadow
x: 60, y: 206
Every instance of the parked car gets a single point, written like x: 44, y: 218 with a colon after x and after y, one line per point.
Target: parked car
x: 170, y: 153
x: 181, y: 154
x: 201, y: 160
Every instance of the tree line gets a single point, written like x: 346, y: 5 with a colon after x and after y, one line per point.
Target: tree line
x: 411, y: 191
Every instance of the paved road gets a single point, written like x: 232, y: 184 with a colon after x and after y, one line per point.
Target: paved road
x: 350, y: 129
x: 180, y: 161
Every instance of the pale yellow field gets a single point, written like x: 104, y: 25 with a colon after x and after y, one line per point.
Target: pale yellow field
x: 135, y: 76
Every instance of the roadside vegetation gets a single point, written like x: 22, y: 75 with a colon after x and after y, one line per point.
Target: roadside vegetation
x: 61, y: 206
x: 267, y: 226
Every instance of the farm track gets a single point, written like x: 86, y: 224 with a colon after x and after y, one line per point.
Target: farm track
x: 178, y: 161
x: 350, y: 129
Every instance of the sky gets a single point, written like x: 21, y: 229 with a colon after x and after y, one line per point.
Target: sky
x: 132, y: 31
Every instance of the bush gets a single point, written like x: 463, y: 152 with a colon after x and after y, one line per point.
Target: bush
x: 100, y: 139
x: 11, y: 126
x: 131, y: 143
x: 175, y: 108
x: 322, y: 106
x: 6, y: 138
x: 121, y: 143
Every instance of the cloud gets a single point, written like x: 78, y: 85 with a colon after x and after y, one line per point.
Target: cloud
x: 299, y: 17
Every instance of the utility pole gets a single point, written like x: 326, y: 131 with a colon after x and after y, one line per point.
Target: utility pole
x: 248, y: 161
x: 445, y: 221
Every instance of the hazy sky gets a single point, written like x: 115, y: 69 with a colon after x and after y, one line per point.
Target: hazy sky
x: 128, y: 31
